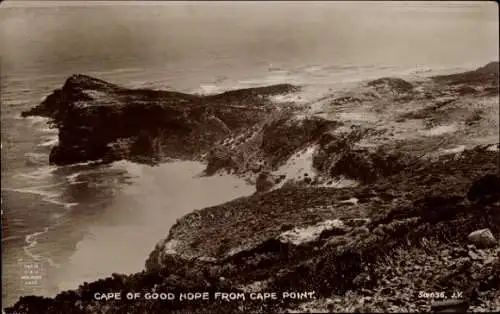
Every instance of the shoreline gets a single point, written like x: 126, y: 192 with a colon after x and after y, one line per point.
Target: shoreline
x: 141, y: 230
x: 405, y: 192
x: 136, y: 231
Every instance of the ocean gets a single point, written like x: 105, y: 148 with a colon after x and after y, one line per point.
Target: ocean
x: 66, y: 225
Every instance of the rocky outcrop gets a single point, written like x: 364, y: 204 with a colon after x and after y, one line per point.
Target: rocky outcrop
x: 483, y: 238
x: 485, y: 190
x: 244, y: 132
x: 395, y: 85
x: 486, y: 76
x: 337, y: 156
x: 265, y: 182
x: 95, y: 117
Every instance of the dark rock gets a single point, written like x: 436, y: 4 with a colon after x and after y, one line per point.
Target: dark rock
x: 438, y: 207
x: 395, y: 84
x: 361, y: 280
x: 485, y: 190
x: 285, y: 135
x: 92, y: 114
x: 482, y: 238
x: 466, y: 90
x: 219, y: 159
x: 459, y: 252
x: 486, y: 75
x: 264, y: 182
x: 490, y: 68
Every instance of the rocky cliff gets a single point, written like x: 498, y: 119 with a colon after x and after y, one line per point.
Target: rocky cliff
x: 368, y: 203
x: 98, y: 120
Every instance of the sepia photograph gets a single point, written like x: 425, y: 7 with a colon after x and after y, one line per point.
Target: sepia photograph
x: 249, y: 156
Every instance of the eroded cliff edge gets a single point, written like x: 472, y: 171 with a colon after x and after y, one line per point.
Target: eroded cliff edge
x: 414, y: 166
x: 98, y: 120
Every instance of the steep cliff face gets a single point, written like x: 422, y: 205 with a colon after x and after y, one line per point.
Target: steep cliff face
x: 98, y: 120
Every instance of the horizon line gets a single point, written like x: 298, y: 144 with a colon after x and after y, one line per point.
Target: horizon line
x: 62, y: 3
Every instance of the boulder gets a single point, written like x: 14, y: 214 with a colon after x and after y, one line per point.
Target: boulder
x: 219, y: 159
x: 264, y: 182
x: 482, y: 238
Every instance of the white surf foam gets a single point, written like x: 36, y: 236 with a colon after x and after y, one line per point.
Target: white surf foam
x: 35, y: 119
x: 31, y: 241
x: 52, y: 141
x: 41, y: 173
x: 85, y: 163
x: 141, y: 215
x: 9, y: 238
x: 73, y: 178
x: 133, y: 169
x: 46, y: 194
x: 66, y: 205
x: 16, y: 103
x: 36, y: 158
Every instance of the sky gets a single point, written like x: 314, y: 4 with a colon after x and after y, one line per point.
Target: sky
x: 23, y: 3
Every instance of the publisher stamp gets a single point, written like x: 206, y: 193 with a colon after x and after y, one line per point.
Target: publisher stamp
x: 440, y: 295
x: 31, y: 273
x: 432, y: 295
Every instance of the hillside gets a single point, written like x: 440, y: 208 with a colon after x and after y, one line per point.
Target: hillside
x: 366, y: 197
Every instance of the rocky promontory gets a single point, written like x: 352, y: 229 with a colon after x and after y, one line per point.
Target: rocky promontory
x: 384, y: 197
x: 98, y: 120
